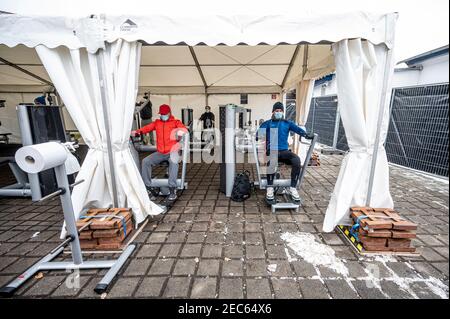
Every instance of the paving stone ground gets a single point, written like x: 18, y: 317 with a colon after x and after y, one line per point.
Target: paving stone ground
x: 207, y: 246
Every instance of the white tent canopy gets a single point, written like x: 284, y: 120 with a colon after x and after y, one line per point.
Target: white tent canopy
x: 175, y: 69
x: 275, y: 45
x: 209, y: 55
x: 76, y: 33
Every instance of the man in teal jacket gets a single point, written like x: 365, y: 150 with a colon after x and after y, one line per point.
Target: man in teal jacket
x: 276, y: 131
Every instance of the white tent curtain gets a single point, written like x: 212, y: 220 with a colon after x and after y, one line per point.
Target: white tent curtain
x: 360, y: 73
x: 303, y: 95
x: 75, y: 76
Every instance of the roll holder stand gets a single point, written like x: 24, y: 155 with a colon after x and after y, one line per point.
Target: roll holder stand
x: 77, y: 263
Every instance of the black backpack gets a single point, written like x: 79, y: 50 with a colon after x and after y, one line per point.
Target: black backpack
x: 242, y: 187
x: 146, y: 112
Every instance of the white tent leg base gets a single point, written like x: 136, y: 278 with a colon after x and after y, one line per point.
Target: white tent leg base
x: 46, y: 263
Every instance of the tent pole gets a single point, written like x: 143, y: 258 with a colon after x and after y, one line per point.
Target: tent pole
x: 298, y: 98
x: 337, y: 121
x: 379, y: 123
x: 102, y: 79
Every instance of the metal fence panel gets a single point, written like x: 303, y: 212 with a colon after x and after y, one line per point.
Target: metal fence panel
x: 418, y: 129
x: 342, y: 139
x: 290, y: 110
x: 322, y: 118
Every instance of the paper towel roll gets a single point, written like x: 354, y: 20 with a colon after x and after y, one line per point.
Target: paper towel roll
x: 39, y: 157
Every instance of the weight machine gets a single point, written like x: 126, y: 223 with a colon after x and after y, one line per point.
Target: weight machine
x: 280, y: 184
x: 72, y: 239
x: 242, y: 140
x: 227, y: 126
x: 37, y: 124
x: 163, y: 183
x: 201, y: 140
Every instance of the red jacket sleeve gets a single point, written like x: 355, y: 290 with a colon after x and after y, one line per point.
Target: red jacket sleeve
x: 181, y: 126
x: 147, y: 128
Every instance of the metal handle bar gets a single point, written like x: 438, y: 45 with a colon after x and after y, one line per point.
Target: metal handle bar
x: 60, y: 191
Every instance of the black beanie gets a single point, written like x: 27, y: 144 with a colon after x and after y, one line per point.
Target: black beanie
x: 278, y: 105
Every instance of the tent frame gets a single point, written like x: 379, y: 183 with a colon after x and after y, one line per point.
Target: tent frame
x: 291, y: 63
x: 100, y: 57
x: 383, y: 103
x: 368, y: 33
x: 15, y: 66
x: 382, y: 107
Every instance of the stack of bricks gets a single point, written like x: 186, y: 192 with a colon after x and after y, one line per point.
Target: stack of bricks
x: 382, y: 229
x: 314, y: 160
x: 105, y: 229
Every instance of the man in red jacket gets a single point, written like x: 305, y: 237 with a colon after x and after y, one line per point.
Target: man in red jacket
x: 168, y: 130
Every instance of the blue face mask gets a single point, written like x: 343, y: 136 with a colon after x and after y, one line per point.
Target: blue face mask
x: 278, y: 115
x: 164, y: 117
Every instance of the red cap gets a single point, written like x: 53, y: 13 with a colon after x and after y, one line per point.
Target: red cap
x: 164, y: 109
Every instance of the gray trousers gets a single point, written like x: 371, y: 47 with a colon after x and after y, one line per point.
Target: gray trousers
x: 156, y: 158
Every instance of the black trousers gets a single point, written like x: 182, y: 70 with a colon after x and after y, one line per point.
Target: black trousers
x: 288, y: 158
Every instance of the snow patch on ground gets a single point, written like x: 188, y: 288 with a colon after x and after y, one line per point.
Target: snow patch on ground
x: 440, y: 204
x: 306, y: 247
x: 288, y: 254
x: 313, y: 252
x: 435, y: 285
x: 272, y: 267
x: 385, y: 259
x: 406, y: 284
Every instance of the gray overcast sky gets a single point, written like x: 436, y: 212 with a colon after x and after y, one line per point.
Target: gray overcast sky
x: 423, y: 24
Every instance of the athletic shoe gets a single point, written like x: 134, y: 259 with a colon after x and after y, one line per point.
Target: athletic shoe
x: 173, y: 194
x: 152, y: 193
x: 294, y: 193
x: 270, y: 193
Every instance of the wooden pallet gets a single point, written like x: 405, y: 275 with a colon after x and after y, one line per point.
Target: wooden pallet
x: 382, y: 229
x: 344, y: 231
x: 105, y: 229
x: 381, y: 218
x: 314, y: 160
x: 129, y: 240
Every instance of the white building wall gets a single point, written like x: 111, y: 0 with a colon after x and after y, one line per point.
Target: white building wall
x: 405, y: 78
x: 194, y: 101
x: 8, y: 115
x: 435, y: 70
x: 260, y: 104
x: 328, y: 88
